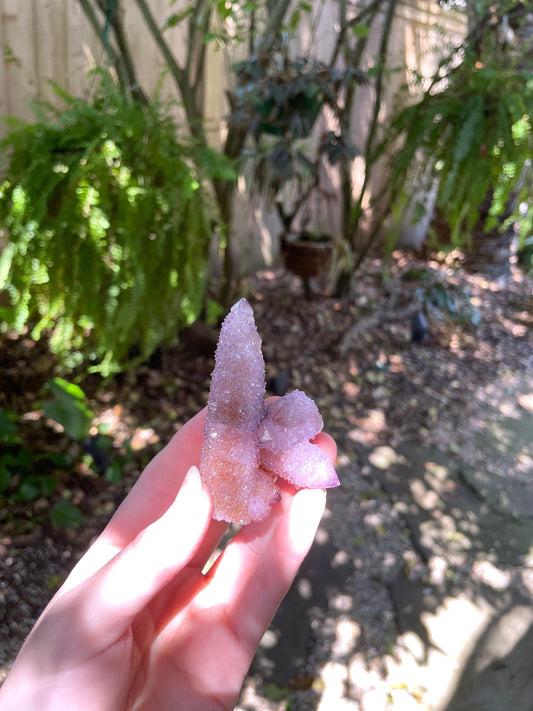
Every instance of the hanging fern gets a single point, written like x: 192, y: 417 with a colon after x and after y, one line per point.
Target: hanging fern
x: 107, y: 227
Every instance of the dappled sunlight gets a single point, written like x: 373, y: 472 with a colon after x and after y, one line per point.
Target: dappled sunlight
x: 518, y: 330
x: 119, y: 424
x: 432, y: 508
x: 483, y: 571
x: 342, y: 602
x: 526, y: 401
x: 449, y: 610
x: 421, y: 671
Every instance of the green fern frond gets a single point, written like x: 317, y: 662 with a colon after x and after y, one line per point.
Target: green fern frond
x: 473, y: 136
x: 108, y: 231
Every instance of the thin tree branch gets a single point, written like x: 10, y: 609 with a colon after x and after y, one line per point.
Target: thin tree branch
x: 99, y: 32
x: 271, y: 34
x: 200, y: 63
x: 121, y: 60
x: 193, y: 31
x: 370, y: 10
x: 188, y: 92
x: 369, y: 152
x: 134, y: 86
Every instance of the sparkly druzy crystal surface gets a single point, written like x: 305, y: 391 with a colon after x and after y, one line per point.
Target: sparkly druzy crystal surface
x: 246, y: 445
x: 288, y: 421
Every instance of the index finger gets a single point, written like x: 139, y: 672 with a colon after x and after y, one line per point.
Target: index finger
x: 150, y: 497
x: 159, y: 483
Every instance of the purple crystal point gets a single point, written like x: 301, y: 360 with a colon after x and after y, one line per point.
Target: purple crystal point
x: 246, y: 445
x: 238, y: 381
x: 241, y: 492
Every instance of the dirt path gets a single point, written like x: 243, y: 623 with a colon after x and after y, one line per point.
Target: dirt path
x: 423, y: 537
x: 417, y: 594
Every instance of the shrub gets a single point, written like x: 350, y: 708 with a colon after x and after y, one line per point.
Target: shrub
x: 107, y: 225
x: 475, y: 136
x: 468, y: 139
x: 30, y: 472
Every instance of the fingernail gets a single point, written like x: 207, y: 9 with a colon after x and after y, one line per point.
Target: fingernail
x: 192, y: 484
x: 307, y: 509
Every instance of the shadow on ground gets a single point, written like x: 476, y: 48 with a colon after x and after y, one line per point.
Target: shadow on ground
x: 452, y: 551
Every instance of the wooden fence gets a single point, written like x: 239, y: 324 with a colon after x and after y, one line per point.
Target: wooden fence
x: 46, y: 40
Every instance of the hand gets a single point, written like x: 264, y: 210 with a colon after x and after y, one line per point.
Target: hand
x: 138, y: 625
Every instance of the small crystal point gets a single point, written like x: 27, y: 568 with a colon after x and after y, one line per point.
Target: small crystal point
x: 290, y: 420
x: 238, y: 380
x: 305, y: 465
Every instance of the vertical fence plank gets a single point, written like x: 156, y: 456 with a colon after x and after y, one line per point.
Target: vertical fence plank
x: 82, y: 50
x: 3, y: 79
x: 19, y: 57
x: 49, y: 42
x: 52, y: 39
x: 149, y: 61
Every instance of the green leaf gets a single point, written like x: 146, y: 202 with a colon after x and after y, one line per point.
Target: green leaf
x: 361, y: 31
x: 8, y: 428
x: 5, y: 478
x: 214, y: 311
x: 36, y: 485
x: 48, y: 484
x: 70, y: 409
x: 6, y: 260
x: 63, y: 389
x: 17, y: 460
x: 275, y: 692
x: 66, y: 515
x: 29, y: 489
x: 176, y: 18
x: 114, y: 474
x: 61, y: 460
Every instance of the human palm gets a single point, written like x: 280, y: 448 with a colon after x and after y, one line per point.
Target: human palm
x: 138, y: 624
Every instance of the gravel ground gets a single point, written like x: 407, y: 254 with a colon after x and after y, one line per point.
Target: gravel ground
x: 374, y: 389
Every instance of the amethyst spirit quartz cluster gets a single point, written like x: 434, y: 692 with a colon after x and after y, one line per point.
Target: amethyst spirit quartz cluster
x: 247, y: 445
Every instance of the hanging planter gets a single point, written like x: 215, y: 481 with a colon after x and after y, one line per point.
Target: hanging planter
x: 307, y: 256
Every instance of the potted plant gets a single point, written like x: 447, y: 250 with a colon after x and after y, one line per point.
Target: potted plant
x: 279, y: 102
x: 307, y: 255
x: 283, y: 96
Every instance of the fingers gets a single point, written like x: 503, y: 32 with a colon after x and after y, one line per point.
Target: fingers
x: 232, y: 609
x: 110, y: 599
x: 158, y: 484
x: 327, y: 443
x: 259, y: 565
x: 274, y: 569
x: 255, y: 535
x: 151, y: 496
